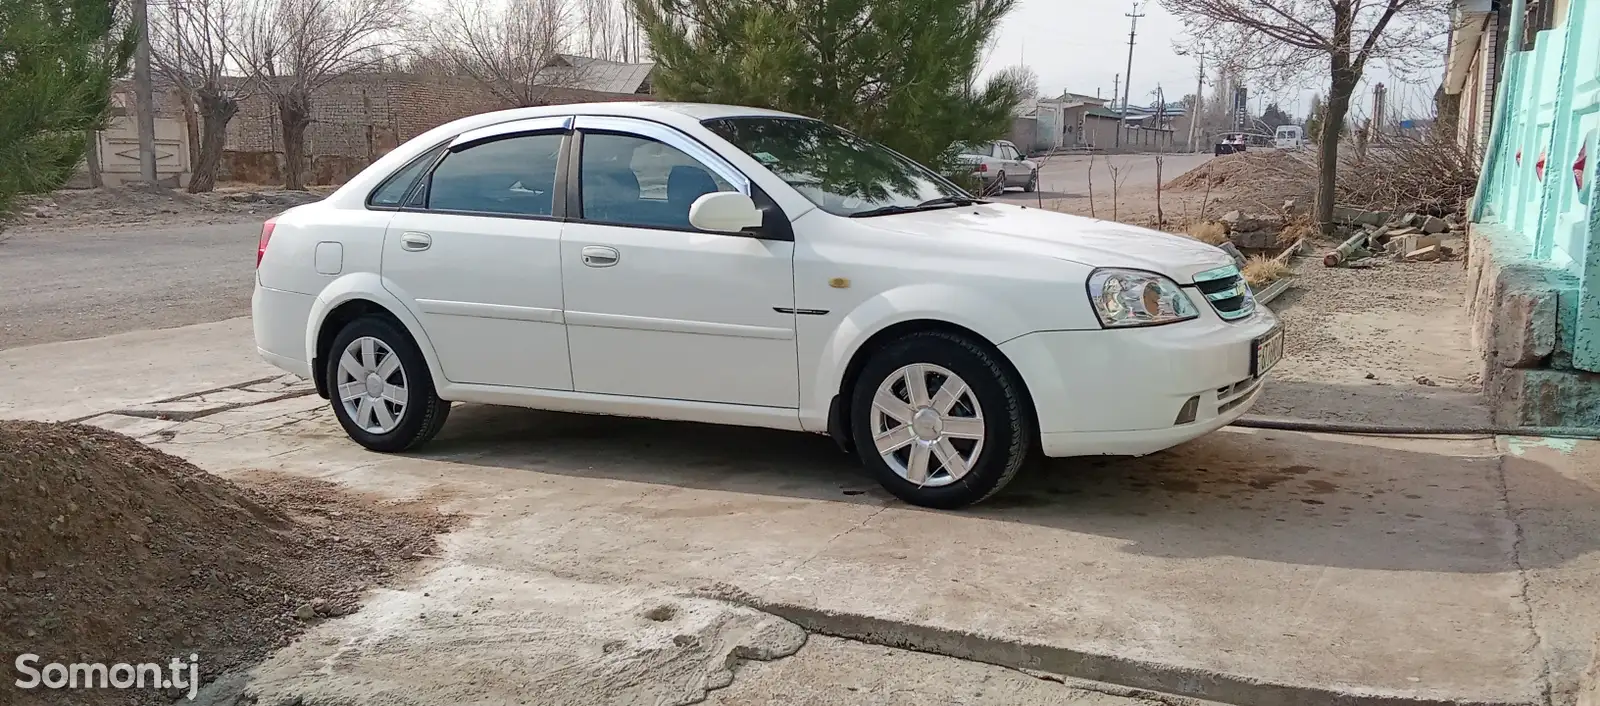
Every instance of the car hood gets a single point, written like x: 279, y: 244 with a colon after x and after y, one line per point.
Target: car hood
x: 1086, y: 241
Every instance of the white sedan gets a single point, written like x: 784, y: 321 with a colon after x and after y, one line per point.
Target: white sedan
x: 741, y: 266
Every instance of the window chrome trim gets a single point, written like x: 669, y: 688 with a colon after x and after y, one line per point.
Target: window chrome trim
x: 671, y: 137
x: 543, y: 124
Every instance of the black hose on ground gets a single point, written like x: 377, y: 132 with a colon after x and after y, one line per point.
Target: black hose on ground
x: 1387, y: 430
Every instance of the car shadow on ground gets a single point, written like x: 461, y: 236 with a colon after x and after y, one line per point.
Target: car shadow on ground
x: 1272, y: 496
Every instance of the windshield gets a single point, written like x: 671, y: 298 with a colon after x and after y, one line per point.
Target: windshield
x: 839, y: 172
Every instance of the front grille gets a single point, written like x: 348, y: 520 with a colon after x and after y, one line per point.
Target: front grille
x: 1227, y: 291
x: 1231, y: 396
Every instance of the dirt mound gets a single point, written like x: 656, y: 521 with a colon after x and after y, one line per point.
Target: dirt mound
x: 1243, y: 168
x: 111, y: 551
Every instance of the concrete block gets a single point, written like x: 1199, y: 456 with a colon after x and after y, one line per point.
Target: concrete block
x: 1434, y: 225
x: 1430, y: 252
x: 1255, y: 240
x: 1546, y: 398
x: 1523, y: 328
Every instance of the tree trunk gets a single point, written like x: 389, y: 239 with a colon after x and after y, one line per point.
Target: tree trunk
x: 1334, y: 113
x: 92, y: 160
x: 216, y: 109
x: 294, y: 112
x: 191, y: 126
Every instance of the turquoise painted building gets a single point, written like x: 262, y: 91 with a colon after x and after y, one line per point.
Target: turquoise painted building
x: 1535, y: 250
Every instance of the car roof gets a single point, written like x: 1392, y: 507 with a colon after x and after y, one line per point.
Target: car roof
x: 639, y: 109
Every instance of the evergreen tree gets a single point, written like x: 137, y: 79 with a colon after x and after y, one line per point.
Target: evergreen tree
x: 1274, y: 117
x: 1314, y: 117
x: 57, y: 61
x: 900, y: 72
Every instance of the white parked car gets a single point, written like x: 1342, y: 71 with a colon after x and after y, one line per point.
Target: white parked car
x: 999, y: 163
x: 741, y: 266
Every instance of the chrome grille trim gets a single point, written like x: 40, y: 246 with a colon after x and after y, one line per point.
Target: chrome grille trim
x: 1227, y: 292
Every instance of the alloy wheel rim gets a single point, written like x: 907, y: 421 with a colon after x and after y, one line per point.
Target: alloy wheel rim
x: 927, y: 425
x: 372, y: 385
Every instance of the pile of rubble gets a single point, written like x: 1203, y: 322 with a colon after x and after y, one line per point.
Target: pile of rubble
x: 1409, y: 237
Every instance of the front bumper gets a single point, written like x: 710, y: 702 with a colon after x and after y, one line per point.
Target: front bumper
x: 1120, y: 392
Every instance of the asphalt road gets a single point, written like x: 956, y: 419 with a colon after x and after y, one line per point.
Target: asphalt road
x: 82, y: 283
x: 1067, y: 176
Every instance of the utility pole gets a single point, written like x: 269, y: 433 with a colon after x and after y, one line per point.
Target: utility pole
x: 143, y: 94
x: 1116, y: 89
x: 1133, y: 32
x: 1194, y: 115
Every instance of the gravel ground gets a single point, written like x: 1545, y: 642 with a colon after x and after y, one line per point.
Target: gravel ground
x: 146, y: 207
x: 1385, y: 345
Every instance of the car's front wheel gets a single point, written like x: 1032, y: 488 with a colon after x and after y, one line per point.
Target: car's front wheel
x: 1033, y: 182
x: 941, y: 420
x: 381, y: 389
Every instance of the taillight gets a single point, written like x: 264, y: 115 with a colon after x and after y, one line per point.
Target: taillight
x: 266, y: 237
x: 983, y: 167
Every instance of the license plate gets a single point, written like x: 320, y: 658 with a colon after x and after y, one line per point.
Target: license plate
x: 1265, y: 352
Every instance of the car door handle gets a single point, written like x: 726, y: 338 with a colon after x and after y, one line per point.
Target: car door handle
x: 600, y: 256
x: 415, y: 242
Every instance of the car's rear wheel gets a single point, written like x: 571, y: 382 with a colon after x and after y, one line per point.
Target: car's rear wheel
x: 1000, y: 183
x: 380, y: 387
x: 940, y: 420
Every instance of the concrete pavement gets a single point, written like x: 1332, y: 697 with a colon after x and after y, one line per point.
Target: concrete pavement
x: 76, y: 380
x: 1249, y: 568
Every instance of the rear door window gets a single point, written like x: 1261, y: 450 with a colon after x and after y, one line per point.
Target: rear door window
x: 512, y: 176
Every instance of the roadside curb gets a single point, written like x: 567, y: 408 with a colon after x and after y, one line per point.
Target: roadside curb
x: 1105, y: 668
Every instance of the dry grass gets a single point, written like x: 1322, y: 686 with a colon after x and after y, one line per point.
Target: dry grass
x: 1297, y: 228
x: 1260, y: 270
x: 1209, y: 232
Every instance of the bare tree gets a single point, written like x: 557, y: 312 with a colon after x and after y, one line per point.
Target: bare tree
x: 610, y: 31
x: 1118, y: 176
x: 1092, y: 214
x: 190, y: 42
x: 1023, y: 76
x: 514, y: 50
x: 1279, y: 40
x: 292, y: 48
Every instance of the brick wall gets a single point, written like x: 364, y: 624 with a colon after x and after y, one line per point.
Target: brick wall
x: 359, y: 118
x: 367, y: 115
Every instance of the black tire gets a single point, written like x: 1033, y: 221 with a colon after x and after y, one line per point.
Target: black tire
x: 1033, y: 183
x: 1008, y: 440
x: 999, y: 183
x: 424, y: 413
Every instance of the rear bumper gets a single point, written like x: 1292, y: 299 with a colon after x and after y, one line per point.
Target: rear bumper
x: 1121, y: 392
x: 280, y: 319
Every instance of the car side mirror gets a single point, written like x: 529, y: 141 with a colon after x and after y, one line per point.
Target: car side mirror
x: 724, y: 212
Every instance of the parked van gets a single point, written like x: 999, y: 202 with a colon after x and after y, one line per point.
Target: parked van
x: 1289, y: 137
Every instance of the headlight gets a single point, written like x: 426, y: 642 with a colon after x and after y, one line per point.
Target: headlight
x: 1137, y: 298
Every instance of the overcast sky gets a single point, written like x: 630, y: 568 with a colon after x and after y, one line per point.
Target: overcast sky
x: 1082, y: 45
